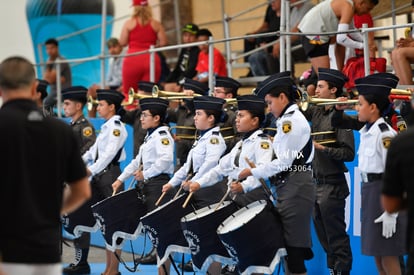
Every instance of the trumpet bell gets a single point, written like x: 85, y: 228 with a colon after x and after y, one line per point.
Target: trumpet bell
x: 90, y: 102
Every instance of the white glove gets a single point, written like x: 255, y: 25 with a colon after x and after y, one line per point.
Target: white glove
x: 389, y: 223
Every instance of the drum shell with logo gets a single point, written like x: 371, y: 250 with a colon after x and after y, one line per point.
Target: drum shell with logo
x: 119, y: 217
x: 199, y: 228
x: 253, y: 236
x: 164, y: 229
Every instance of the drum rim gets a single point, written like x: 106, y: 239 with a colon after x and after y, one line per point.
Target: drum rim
x: 205, y: 211
x: 255, y: 204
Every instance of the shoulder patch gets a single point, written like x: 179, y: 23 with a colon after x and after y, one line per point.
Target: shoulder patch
x: 214, y: 140
x: 383, y: 127
x: 386, y: 142
x: 264, y: 145
x: 289, y: 114
x: 401, y: 125
x: 286, y: 127
x: 116, y: 132
x: 87, y: 131
x: 165, y: 141
x: 117, y: 122
x: 162, y: 132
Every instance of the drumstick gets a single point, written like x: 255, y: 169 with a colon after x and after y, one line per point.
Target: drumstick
x: 222, y: 199
x: 261, y: 180
x: 160, y: 199
x: 187, y: 199
x: 225, y: 195
x: 178, y: 192
x: 114, y: 192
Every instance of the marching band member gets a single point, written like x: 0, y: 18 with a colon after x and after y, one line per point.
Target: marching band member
x: 74, y: 99
x: 328, y: 172
x: 383, y: 241
x: 292, y: 175
x: 254, y: 145
x: 104, y: 156
x: 205, y: 153
x: 154, y: 162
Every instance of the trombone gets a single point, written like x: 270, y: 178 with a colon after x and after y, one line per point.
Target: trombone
x: 156, y: 92
x: 326, y: 140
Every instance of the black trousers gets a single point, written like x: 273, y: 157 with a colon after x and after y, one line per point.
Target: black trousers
x: 329, y: 221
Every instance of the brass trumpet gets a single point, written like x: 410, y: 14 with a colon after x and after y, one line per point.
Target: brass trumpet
x: 306, y: 100
x: 90, y: 102
x: 156, y: 92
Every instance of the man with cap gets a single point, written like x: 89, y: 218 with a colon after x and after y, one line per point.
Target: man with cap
x: 226, y: 88
x: 341, y: 120
x: 382, y: 234
x: 187, y: 60
x: 41, y: 94
x: 74, y: 99
x: 290, y: 172
x: 104, y: 157
x: 328, y: 172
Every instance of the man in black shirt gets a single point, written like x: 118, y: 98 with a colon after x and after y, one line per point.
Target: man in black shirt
x: 398, y: 189
x: 38, y: 154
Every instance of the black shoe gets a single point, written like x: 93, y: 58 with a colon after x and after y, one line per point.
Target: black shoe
x: 149, y: 259
x: 229, y: 270
x: 188, y: 267
x: 80, y: 268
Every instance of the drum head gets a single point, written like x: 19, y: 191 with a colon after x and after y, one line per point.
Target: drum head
x: 119, y: 217
x: 199, y: 228
x: 164, y: 229
x: 253, y: 237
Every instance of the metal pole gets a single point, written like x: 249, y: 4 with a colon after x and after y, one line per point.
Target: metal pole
x: 152, y: 63
x: 103, y: 42
x: 177, y: 22
x: 282, y: 37
x: 58, y: 89
x: 210, y: 65
x: 394, y: 22
x: 288, y: 43
x: 366, y: 48
x: 226, y: 22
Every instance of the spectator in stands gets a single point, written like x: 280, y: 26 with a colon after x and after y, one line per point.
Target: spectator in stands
x: 187, y: 60
x: 138, y: 33
x: 202, y: 63
x: 259, y: 67
x: 402, y: 57
x: 114, y: 77
x: 331, y: 16
x: 49, y: 74
x: 271, y: 23
x: 262, y: 62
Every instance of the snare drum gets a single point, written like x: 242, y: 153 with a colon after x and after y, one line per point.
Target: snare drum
x: 164, y: 230
x: 199, y: 228
x: 81, y: 220
x: 119, y: 217
x: 253, y: 237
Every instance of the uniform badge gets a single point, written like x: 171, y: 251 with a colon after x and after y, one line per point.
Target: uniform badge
x: 116, y: 132
x: 87, y: 131
x: 214, y: 140
x: 286, y: 127
x: 401, y: 125
x: 386, y: 142
x: 264, y: 145
x: 165, y: 141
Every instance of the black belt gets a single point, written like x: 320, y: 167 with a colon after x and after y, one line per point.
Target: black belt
x: 368, y: 177
x: 330, y: 179
x: 156, y: 177
x: 280, y: 177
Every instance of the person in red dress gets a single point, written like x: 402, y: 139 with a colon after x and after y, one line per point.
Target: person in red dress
x: 138, y: 33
